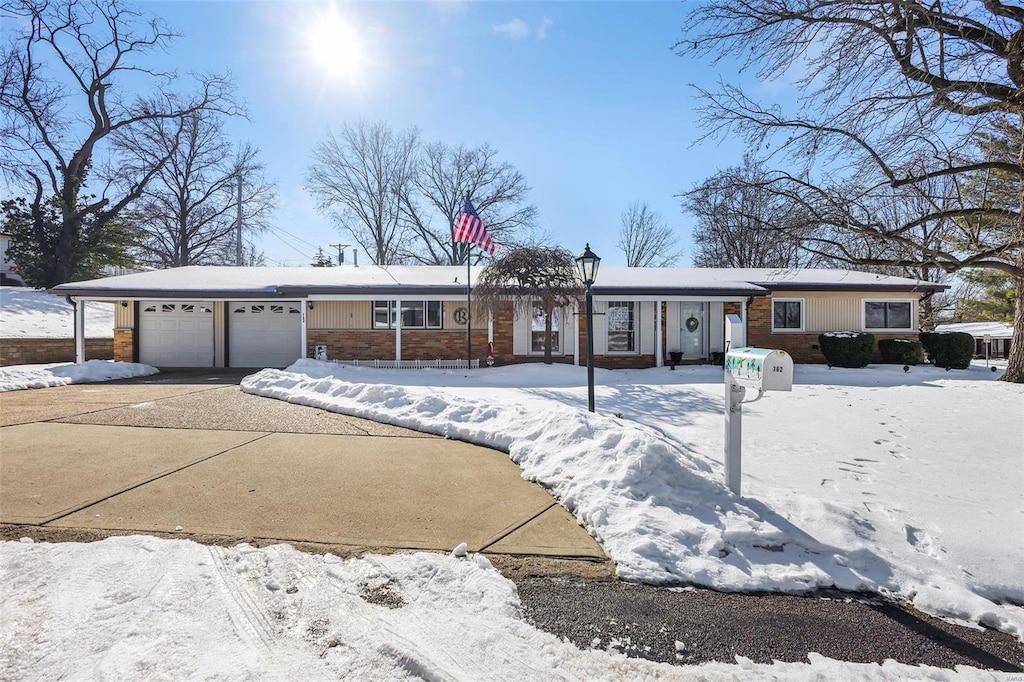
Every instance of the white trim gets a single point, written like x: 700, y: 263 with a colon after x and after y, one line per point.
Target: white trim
x: 895, y: 330
x: 558, y: 349
x: 803, y: 315
x: 304, y: 310
x: 576, y: 334
x: 659, y: 355
x: 398, y: 330
x: 636, y: 328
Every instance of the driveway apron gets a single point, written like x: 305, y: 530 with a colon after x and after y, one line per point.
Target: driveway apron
x: 190, y: 453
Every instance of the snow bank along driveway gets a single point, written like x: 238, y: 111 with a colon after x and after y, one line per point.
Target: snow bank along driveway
x: 902, y: 484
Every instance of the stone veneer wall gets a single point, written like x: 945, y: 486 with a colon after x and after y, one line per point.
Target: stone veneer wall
x: 124, y: 345
x: 41, y: 351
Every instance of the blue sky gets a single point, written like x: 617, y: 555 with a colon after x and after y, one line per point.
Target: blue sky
x: 586, y: 99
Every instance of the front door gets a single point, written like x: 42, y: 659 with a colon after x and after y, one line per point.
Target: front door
x: 692, y: 330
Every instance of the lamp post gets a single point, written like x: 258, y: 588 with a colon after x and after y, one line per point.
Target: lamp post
x: 587, y: 264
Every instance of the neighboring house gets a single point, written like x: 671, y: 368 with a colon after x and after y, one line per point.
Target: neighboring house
x: 999, y: 335
x: 9, y: 276
x: 267, y: 317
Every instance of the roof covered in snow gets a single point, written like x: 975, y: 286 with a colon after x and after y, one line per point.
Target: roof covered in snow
x: 253, y: 282
x: 996, y: 330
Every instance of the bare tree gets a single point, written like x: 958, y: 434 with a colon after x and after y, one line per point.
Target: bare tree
x: 893, y: 94
x: 743, y: 223
x: 67, y: 78
x: 188, y: 211
x: 528, y: 275
x: 360, y: 176
x: 645, y: 239
x: 449, y: 176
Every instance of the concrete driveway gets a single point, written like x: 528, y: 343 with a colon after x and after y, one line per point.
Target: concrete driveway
x: 189, y: 453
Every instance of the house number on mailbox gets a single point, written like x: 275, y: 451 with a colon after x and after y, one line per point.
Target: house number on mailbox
x: 461, y: 316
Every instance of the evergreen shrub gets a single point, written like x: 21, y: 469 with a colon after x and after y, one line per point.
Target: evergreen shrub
x: 951, y: 350
x: 900, y: 351
x: 847, y: 349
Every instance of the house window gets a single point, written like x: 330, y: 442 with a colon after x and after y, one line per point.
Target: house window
x: 888, y: 315
x: 415, y: 314
x: 537, y: 323
x: 621, y: 319
x: 787, y: 315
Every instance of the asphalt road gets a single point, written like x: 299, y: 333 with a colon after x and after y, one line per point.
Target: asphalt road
x: 689, y: 626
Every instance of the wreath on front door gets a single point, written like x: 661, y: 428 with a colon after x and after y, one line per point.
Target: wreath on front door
x: 692, y: 323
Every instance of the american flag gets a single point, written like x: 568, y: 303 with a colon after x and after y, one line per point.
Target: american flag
x: 470, y: 229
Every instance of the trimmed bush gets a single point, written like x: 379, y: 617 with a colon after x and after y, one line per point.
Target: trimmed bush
x: 900, y: 351
x: 951, y: 350
x: 847, y: 349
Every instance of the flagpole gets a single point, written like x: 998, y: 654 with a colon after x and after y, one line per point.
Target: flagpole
x: 469, y: 311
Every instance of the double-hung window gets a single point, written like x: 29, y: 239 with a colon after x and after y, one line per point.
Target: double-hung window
x: 415, y: 314
x: 621, y: 318
x: 889, y: 315
x: 787, y: 314
x: 537, y: 323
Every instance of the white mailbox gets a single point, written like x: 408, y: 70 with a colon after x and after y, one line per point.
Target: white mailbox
x: 762, y: 369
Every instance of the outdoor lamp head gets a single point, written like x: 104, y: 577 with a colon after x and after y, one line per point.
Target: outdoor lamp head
x: 587, y: 264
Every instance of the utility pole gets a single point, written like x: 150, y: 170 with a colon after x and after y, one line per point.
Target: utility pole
x: 341, y: 252
x: 238, y: 234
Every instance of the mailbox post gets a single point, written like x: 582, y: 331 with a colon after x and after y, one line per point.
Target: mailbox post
x: 762, y: 369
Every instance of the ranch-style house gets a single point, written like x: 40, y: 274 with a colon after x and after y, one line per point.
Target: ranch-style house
x: 204, y: 316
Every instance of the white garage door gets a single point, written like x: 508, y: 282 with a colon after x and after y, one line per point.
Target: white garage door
x: 264, y: 333
x: 176, y: 333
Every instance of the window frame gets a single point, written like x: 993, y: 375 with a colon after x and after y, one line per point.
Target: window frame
x: 803, y: 315
x: 427, y: 303
x: 556, y: 332
x: 864, y: 315
x: 633, y: 331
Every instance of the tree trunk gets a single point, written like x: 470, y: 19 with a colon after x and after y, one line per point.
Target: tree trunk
x: 1015, y: 363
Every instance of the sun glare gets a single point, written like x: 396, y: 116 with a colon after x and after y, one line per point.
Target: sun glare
x: 334, y: 46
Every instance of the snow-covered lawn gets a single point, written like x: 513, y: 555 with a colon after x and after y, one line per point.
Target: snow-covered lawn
x: 906, y: 484
x: 142, y: 608
x: 17, y: 377
x: 875, y: 479
x: 35, y: 314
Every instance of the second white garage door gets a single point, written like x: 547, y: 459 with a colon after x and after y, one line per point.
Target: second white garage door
x: 264, y: 333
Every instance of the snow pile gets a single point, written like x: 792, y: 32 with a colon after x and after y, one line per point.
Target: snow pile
x: 19, y: 377
x: 138, y: 608
x: 36, y: 314
x: 911, y: 512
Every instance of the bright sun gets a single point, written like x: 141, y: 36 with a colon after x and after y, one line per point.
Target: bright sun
x: 334, y: 45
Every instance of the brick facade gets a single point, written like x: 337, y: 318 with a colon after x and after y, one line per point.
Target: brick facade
x: 124, y: 345
x: 417, y: 344
x: 41, y: 351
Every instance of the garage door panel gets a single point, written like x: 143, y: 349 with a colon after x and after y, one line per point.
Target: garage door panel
x: 176, y: 334
x: 264, y: 334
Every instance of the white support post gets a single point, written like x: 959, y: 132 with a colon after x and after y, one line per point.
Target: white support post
x: 304, y: 308
x: 398, y: 333
x: 659, y: 355
x: 490, y: 327
x: 733, y: 432
x: 80, y: 330
x: 576, y: 334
